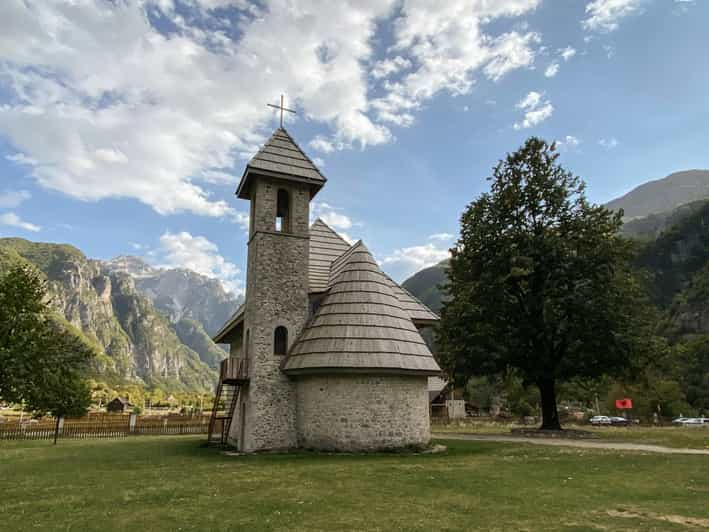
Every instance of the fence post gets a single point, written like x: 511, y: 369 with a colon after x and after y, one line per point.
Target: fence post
x: 131, y: 422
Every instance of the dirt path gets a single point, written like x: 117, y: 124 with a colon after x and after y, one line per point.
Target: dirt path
x: 584, y: 444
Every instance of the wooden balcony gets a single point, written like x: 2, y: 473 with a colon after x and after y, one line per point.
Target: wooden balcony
x: 234, y: 371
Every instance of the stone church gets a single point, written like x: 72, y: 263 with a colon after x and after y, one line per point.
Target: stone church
x: 325, y: 352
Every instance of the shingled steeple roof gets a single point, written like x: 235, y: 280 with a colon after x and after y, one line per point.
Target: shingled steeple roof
x: 360, y: 326
x: 282, y: 158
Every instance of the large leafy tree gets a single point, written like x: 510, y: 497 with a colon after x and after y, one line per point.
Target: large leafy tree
x: 540, y: 281
x: 43, y: 361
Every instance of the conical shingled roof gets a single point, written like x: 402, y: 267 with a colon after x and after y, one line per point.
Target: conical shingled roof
x: 281, y: 157
x: 360, y: 326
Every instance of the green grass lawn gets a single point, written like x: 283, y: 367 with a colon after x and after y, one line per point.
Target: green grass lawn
x: 685, y: 437
x: 171, y: 483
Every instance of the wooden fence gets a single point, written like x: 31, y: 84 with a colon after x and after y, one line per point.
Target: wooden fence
x: 103, y: 426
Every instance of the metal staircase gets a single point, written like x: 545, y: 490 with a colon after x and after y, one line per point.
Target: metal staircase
x: 233, y: 375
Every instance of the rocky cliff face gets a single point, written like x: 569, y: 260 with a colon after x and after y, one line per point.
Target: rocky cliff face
x: 180, y: 294
x: 140, y: 343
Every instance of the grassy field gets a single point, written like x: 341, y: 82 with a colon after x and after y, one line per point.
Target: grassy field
x: 685, y: 437
x: 171, y: 483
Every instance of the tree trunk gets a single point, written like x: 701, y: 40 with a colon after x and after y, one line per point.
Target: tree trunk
x: 550, y: 415
x: 56, y: 430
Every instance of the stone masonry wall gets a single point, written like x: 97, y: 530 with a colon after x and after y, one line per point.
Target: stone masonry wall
x: 276, y: 295
x: 362, y: 412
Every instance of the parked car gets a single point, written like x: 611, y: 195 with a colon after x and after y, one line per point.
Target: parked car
x: 679, y: 420
x: 693, y: 421
x: 600, y: 420
x: 619, y: 421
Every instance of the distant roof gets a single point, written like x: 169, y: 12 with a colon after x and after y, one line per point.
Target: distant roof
x: 360, y: 325
x: 121, y: 400
x: 281, y: 157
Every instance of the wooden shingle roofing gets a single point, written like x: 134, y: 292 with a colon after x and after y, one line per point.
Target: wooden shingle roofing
x: 328, y: 248
x: 328, y: 254
x: 360, y: 326
x: 281, y: 157
x: 325, y: 246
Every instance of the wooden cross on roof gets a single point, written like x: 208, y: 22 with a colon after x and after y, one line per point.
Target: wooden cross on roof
x: 282, y: 108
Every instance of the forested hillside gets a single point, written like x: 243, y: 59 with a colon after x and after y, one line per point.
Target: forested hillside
x: 673, y: 253
x: 137, y: 343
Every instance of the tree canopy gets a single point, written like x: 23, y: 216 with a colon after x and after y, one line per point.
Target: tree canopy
x: 43, y: 361
x: 541, y: 281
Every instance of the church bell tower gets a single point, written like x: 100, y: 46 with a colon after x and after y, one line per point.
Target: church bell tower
x: 279, y: 182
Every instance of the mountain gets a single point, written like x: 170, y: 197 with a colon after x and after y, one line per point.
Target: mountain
x: 649, y: 210
x: 180, y: 293
x: 140, y: 343
x: 651, y: 226
x: 425, y: 285
x: 663, y: 195
x: 678, y: 256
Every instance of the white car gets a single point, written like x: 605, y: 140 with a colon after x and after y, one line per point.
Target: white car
x: 694, y: 421
x: 600, y: 420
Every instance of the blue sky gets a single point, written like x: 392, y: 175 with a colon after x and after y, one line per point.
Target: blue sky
x: 125, y: 126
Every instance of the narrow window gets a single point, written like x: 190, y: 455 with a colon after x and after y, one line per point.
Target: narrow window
x: 282, y: 211
x: 280, y: 341
x: 252, y: 212
x: 246, y: 343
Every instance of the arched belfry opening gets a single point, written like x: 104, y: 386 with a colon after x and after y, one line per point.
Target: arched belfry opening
x: 283, y: 211
x: 280, y: 341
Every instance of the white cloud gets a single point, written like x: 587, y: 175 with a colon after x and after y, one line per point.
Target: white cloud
x: 604, y: 15
x: 569, y: 142
x: 609, y: 143
x: 387, y: 67
x: 567, y: 53
x: 530, y: 101
x: 406, y: 261
x: 552, y: 70
x: 12, y: 198
x: 242, y: 219
x: 441, y: 236
x: 322, y: 144
x: 446, y: 44
x: 21, y: 158
x: 11, y: 219
x: 183, y: 250
x: 109, y: 107
x: 536, y: 109
x: 103, y: 105
x: 331, y: 215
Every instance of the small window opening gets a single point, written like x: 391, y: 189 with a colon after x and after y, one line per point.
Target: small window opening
x: 282, y: 211
x: 246, y: 343
x: 280, y: 341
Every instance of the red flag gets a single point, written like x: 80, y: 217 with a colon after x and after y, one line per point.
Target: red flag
x: 623, y: 404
